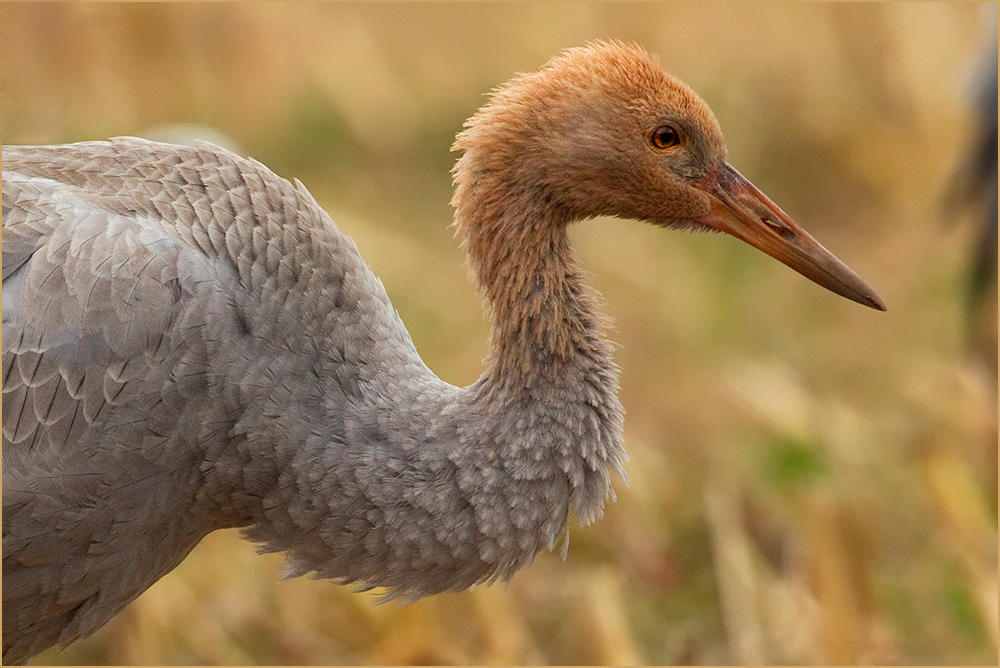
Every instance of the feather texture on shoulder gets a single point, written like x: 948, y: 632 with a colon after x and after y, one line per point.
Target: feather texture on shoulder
x: 151, y: 295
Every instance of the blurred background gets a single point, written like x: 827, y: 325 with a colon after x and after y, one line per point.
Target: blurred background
x: 811, y: 481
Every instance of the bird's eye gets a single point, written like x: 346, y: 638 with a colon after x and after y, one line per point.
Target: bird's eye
x: 665, y: 137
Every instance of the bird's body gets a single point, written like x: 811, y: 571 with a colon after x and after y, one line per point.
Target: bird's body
x: 189, y: 344
x: 240, y: 365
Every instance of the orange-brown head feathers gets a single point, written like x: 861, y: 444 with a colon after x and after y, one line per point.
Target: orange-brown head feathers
x: 577, y: 139
x: 603, y: 130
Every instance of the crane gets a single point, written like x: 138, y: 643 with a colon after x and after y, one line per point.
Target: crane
x: 190, y: 344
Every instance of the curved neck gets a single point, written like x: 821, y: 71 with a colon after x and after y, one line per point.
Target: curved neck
x: 544, y: 316
x: 420, y: 486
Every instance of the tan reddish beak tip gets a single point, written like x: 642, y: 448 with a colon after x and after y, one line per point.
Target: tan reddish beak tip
x: 741, y: 210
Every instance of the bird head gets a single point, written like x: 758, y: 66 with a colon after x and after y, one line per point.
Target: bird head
x: 602, y: 130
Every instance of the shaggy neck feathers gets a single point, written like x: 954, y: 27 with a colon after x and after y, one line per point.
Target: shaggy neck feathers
x: 543, y: 313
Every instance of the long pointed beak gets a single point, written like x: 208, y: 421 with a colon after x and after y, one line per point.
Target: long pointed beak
x: 741, y: 210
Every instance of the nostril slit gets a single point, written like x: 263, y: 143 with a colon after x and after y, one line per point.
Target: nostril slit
x: 779, y: 227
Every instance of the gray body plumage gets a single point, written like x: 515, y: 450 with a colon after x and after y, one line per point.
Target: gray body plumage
x: 190, y: 344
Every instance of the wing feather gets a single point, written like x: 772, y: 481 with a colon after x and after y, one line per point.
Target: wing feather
x: 159, y: 303
x: 106, y: 247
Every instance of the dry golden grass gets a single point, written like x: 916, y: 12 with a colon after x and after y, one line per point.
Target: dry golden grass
x: 811, y: 481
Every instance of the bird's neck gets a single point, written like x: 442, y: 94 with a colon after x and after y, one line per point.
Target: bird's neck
x: 544, y: 316
x: 550, y: 371
x: 420, y: 486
